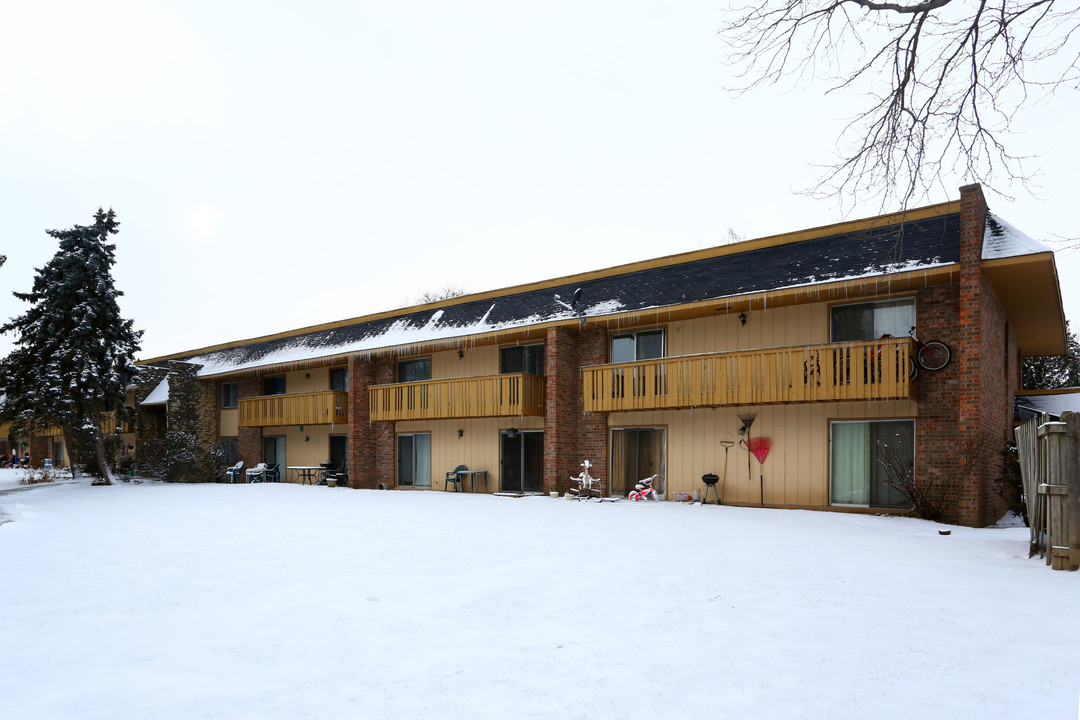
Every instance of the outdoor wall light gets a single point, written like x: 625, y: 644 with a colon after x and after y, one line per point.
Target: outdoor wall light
x: 461, y: 354
x: 511, y: 433
x: 742, y: 318
x: 460, y: 433
x: 307, y: 439
x: 301, y: 428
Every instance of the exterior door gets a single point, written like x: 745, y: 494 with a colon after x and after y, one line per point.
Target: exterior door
x: 521, y: 465
x: 638, y: 453
x: 274, y: 452
x: 414, y: 460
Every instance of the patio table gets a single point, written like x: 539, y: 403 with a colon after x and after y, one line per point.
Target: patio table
x: 472, y: 477
x: 307, y: 473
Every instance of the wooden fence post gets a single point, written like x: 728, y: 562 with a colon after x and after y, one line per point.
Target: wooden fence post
x: 1072, y: 479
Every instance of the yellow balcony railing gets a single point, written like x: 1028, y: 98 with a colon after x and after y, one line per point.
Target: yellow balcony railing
x: 314, y: 408
x: 487, y: 396
x: 865, y: 370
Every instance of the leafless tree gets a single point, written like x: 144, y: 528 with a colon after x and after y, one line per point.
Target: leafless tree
x: 444, y: 293
x: 943, y: 80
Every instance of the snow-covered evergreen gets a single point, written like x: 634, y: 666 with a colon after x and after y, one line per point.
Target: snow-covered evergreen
x: 74, y: 354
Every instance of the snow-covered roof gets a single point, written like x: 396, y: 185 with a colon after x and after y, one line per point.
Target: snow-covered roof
x: 1068, y: 400
x: 159, y: 395
x: 727, y: 273
x: 1002, y: 240
x: 921, y: 244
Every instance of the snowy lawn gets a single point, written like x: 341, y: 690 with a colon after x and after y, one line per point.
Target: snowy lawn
x: 284, y: 601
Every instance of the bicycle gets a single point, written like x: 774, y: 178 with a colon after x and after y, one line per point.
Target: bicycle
x: 644, y: 490
x: 932, y: 355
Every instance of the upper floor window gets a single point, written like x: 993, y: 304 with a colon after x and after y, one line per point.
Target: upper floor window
x: 414, y: 370
x: 871, y: 320
x: 644, y: 345
x: 274, y: 385
x: 522, y: 359
x: 339, y: 379
x: 230, y: 394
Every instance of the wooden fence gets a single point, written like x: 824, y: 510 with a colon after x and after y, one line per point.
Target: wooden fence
x: 1049, y: 453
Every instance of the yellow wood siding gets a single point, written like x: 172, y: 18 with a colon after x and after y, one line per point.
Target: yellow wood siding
x: 867, y: 370
x: 477, y: 448
x: 489, y: 396
x: 796, y: 469
x: 474, y: 362
x: 326, y: 407
x: 229, y: 422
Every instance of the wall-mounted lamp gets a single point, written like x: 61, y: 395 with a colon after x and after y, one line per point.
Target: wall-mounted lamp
x: 511, y: 433
x: 307, y: 376
x: 742, y: 318
x: 461, y: 354
x: 460, y: 433
x: 307, y: 439
x: 301, y: 428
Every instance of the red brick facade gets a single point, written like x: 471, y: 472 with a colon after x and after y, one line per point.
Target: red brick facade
x: 571, y: 435
x: 372, y: 451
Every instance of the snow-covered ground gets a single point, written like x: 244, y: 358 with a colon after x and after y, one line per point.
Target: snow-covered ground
x: 284, y: 601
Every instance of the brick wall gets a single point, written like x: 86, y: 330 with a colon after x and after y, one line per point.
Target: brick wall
x: 249, y: 439
x: 571, y: 435
x: 372, y: 452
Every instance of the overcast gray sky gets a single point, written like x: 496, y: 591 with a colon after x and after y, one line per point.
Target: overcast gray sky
x: 276, y: 165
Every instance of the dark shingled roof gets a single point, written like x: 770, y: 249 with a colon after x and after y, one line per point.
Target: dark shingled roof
x: 924, y: 243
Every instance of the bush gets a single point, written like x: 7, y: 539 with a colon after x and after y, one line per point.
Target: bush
x: 36, y: 476
x: 170, y: 458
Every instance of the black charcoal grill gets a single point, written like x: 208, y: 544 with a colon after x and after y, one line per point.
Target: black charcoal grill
x: 710, y: 480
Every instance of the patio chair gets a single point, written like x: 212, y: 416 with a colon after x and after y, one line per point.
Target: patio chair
x: 273, y: 473
x: 233, y: 474
x: 341, y: 476
x: 452, y: 477
x: 257, y: 474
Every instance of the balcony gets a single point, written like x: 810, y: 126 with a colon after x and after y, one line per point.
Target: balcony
x: 315, y: 408
x: 865, y: 370
x: 473, y: 397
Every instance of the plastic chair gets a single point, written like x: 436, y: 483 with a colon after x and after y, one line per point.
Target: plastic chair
x: 452, y: 477
x: 273, y: 473
x: 233, y: 474
x: 257, y: 473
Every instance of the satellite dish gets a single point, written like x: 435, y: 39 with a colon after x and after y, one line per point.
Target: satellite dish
x: 574, y: 305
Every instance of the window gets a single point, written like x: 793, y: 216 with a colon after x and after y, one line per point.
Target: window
x: 646, y: 345
x: 414, y: 370
x: 274, y: 385
x: 869, y: 321
x: 858, y: 451
x: 414, y: 460
x: 522, y: 359
x: 339, y: 379
x: 230, y: 395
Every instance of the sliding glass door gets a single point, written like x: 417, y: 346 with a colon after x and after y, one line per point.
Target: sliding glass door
x: 414, y: 460
x: 521, y: 467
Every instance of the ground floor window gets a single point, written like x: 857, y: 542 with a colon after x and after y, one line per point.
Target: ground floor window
x: 414, y: 460
x: 638, y: 453
x: 859, y: 452
x: 521, y: 461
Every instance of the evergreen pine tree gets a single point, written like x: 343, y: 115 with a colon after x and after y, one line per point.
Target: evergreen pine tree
x: 74, y: 354
x: 1050, y: 372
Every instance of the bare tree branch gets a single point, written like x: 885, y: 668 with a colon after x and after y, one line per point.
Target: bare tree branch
x: 944, y: 80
